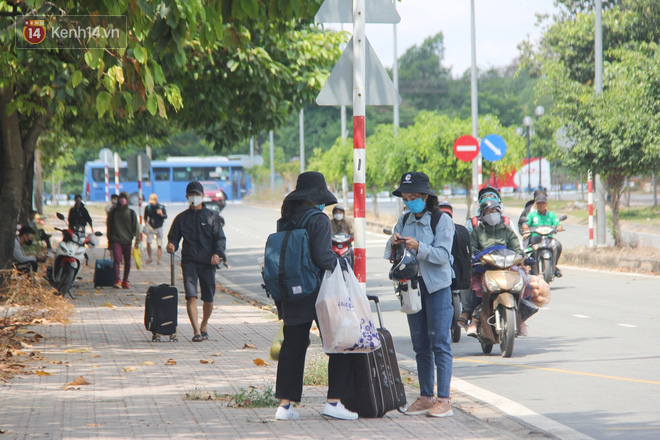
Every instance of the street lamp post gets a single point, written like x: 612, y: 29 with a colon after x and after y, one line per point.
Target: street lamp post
x: 527, y: 122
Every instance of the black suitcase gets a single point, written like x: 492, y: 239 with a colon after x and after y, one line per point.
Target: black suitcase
x: 104, y: 272
x: 160, y: 313
x: 378, y: 385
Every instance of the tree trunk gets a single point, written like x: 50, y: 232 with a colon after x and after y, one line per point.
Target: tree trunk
x: 468, y: 202
x: 655, y: 190
x: 615, y: 187
x: 12, y: 176
x: 374, y: 193
x: 38, y: 183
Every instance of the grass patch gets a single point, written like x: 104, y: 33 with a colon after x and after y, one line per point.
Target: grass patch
x: 253, y: 397
x: 316, y: 370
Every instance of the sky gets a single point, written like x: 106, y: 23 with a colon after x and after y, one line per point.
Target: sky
x: 500, y: 26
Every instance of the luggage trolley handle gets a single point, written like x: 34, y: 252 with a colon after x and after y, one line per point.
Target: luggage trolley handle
x: 172, y: 269
x: 376, y: 300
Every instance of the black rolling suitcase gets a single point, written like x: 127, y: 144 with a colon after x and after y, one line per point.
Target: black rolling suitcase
x: 160, y: 314
x: 378, y: 386
x: 104, y: 272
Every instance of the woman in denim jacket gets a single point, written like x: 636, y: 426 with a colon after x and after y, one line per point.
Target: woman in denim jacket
x: 429, y: 328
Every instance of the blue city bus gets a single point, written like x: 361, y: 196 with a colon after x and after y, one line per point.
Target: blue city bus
x: 168, y: 178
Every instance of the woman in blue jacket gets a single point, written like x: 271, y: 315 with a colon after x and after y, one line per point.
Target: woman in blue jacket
x: 429, y: 328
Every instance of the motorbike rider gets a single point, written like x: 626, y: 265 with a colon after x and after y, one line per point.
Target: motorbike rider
x: 542, y: 217
x: 490, y: 231
x: 529, y: 206
x: 78, y: 214
x: 486, y: 193
x: 339, y: 222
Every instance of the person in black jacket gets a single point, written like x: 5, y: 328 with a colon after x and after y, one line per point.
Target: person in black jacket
x: 311, y: 193
x: 154, y: 217
x: 204, y: 245
x: 78, y: 214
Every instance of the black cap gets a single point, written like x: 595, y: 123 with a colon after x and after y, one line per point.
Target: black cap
x: 414, y: 182
x: 541, y: 198
x: 195, y: 187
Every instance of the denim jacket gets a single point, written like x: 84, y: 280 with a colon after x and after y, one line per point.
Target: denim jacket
x: 434, y: 254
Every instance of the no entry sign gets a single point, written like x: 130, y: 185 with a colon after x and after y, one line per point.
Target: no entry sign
x: 466, y: 148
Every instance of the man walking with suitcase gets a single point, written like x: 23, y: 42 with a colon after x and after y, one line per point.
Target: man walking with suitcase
x: 204, y: 245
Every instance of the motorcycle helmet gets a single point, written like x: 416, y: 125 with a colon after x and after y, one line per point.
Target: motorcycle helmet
x: 489, y: 204
x: 338, y: 208
x: 489, y: 193
x: 446, y: 207
x: 405, y: 265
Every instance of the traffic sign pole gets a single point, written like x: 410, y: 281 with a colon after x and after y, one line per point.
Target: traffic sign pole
x: 359, y: 140
x: 107, y: 184
x: 116, y: 173
x: 139, y: 167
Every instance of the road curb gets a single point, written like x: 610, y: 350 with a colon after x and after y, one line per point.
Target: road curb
x: 583, y: 256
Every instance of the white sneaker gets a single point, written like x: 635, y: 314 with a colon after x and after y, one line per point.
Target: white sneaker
x: 286, y: 414
x: 338, y: 411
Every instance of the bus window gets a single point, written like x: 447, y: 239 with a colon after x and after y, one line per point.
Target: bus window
x: 181, y: 174
x: 162, y: 174
x: 98, y: 174
x: 219, y: 173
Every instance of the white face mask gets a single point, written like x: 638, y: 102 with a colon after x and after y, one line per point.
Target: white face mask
x: 195, y: 200
x: 493, y: 218
x: 339, y: 217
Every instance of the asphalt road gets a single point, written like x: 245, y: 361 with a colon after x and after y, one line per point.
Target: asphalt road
x: 591, y: 362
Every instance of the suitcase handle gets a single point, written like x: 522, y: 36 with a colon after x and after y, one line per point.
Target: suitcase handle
x: 104, y: 251
x: 376, y: 300
x: 172, y: 269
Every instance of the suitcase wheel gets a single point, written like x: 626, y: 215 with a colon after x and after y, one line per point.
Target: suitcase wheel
x: 403, y: 408
x: 155, y: 337
x: 173, y: 338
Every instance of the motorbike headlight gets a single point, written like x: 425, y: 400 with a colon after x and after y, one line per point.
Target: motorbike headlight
x: 519, y: 286
x: 218, y: 194
x: 491, y: 285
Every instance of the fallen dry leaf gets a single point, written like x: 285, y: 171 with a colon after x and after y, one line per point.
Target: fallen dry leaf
x: 54, y: 362
x: 79, y: 381
x: 206, y: 361
x: 107, y: 304
x: 17, y: 353
x: 95, y: 355
x: 94, y: 425
x: 127, y: 369
x: 77, y: 350
x: 217, y: 353
x: 147, y: 363
x: 24, y: 345
x: 170, y: 362
x: 260, y: 362
x: 42, y: 373
x: 249, y: 345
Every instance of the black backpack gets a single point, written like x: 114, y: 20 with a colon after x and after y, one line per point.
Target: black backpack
x: 461, y: 250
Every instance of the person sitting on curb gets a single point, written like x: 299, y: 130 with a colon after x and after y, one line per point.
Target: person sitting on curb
x: 23, y: 262
x: 204, y: 244
x: 39, y: 232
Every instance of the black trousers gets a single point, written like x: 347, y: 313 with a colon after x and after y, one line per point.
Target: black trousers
x: 291, y: 367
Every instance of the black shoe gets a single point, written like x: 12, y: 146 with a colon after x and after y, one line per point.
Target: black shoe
x: 558, y: 273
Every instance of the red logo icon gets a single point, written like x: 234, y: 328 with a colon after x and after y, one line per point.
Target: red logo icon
x: 34, y: 31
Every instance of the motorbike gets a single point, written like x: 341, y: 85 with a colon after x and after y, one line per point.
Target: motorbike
x: 502, y: 291
x: 543, y: 251
x: 455, y: 329
x: 341, y: 245
x: 69, y: 257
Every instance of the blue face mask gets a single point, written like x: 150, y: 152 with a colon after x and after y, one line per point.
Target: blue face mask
x: 415, y: 206
x: 321, y: 207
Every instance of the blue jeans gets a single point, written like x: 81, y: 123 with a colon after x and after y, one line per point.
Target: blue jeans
x: 429, y: 331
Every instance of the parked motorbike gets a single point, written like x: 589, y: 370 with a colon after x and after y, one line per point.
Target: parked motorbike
x: 543, y: 251
x: 69, y: 257
x: 502, y: 291
x: 341, y: 245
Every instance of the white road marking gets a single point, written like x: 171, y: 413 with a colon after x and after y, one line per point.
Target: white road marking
x: 628, y: 325
x: 582, y: 316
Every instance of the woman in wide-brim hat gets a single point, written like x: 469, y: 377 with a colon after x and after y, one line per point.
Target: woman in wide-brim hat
x: 311, y: 193
x: 429, y: 328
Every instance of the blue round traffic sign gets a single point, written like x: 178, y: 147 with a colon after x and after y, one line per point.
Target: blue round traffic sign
x: 493, y: 147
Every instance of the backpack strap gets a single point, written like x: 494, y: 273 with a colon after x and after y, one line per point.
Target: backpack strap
x: 506, y: 220
x: 475, y: 221
x: 435, y: 218
x: 309, y: 214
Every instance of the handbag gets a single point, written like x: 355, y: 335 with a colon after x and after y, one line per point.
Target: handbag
x: 344, y: 314
x: 276, y: 345
x: 137, y: 256
x: 410, y: 296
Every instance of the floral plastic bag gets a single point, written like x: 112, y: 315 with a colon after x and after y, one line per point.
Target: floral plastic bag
x: 344, y: 314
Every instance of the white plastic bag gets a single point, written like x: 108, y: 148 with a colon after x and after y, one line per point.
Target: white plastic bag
x: 411, y: 299
x: 344, y: 314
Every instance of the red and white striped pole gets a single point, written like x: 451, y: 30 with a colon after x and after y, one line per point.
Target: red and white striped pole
x: 590, y: 203
x: 359, y: 165
x: 107, y: 184
x: 116, y: 173
x: 139, y: 167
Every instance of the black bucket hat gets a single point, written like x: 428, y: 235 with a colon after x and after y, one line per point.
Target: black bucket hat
x: 414, y: 182
x: 311, y: 186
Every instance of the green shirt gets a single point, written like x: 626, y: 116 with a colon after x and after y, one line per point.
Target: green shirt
x: 535, y: 218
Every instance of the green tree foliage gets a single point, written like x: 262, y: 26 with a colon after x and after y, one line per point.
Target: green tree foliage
x: 224, y: 66
x: 616, y: 133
